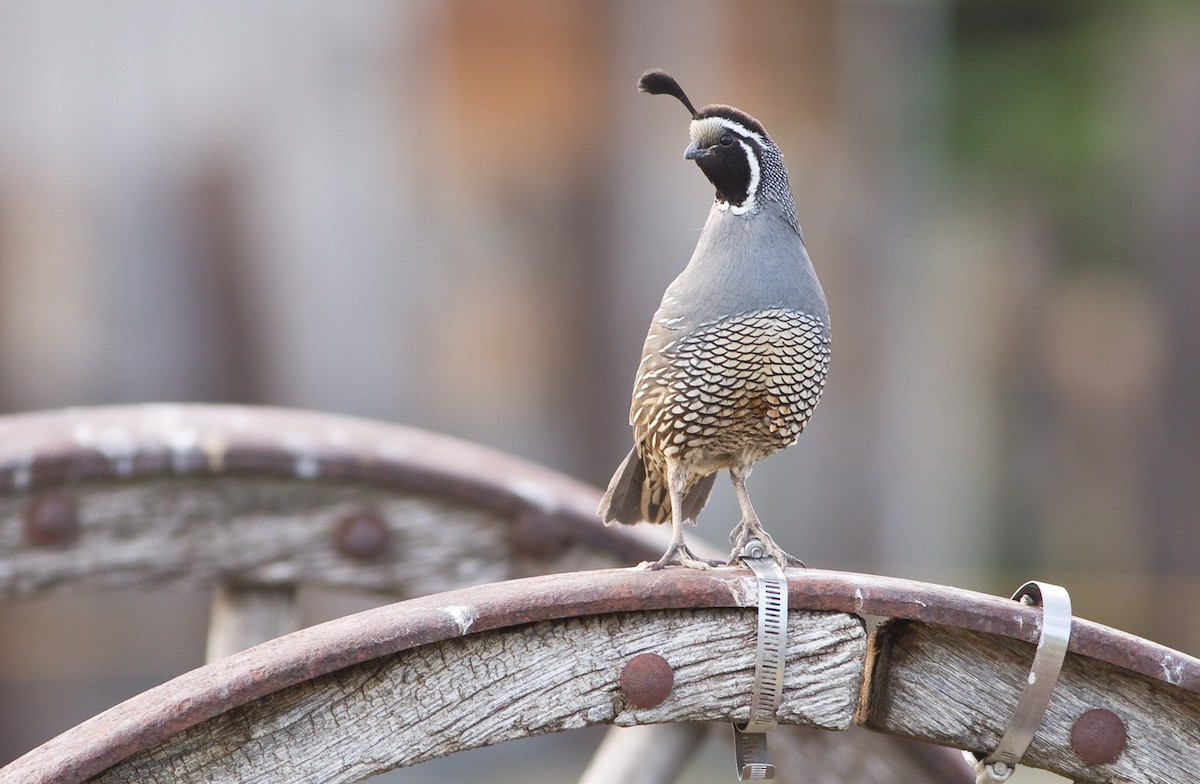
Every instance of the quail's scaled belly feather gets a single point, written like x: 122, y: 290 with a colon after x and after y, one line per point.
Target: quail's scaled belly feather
x: 737, y: 352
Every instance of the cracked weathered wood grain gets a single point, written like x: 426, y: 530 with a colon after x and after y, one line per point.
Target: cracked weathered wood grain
x: 960, y: 687
x: 494, y: 686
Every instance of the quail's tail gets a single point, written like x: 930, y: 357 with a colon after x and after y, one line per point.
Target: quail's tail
x: 622, y: 502
x: 636, y: 494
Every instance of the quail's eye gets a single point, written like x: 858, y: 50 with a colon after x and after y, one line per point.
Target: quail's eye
x: 726, y: 140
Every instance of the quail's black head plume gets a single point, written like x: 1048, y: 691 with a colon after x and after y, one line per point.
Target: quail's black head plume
x: 735, y: 359
x: 658, y: 82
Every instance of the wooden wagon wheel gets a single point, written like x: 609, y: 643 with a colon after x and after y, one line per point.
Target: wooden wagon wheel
x: 431, y: 676
x: 254, y: 502
x: 472, y: 666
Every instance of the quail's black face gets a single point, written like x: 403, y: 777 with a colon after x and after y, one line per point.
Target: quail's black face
x: 727, y: 146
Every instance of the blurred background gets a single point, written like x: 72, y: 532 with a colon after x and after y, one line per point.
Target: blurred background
x: 461, y: 216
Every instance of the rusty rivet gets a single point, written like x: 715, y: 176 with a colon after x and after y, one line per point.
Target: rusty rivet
x: 646, y: 680
x: 51, y: 521
x: 362, y: 534
x: 534, y: 535
x: 1098, y: 736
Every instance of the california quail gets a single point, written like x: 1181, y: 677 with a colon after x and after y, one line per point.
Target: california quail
x: 736, y: 355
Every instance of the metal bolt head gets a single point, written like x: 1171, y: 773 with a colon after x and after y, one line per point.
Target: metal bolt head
x: 754, y: 549
x: 1098, y: 736
x: 646, y: 680
x: 51, y: 521
x: 363, y: 535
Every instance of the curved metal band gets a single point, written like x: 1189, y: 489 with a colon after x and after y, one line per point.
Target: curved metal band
x: 750, y: 739
x: 1043, y: 676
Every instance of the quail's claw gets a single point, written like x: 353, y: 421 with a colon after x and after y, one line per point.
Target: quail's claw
x: 793, y: 560
x: 736, y: 534
x: 678, y: 555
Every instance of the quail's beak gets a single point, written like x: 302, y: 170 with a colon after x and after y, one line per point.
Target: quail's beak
x: 696, y: 151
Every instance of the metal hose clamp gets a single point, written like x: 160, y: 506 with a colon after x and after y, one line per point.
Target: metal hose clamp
x: 750, y: 739
x: 1043, y: 677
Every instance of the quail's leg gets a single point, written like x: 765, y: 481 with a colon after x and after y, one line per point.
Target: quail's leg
x: 749, y: 526
x: 677, y: 553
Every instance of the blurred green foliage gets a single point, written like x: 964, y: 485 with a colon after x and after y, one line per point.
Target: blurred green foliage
x: 1035, y: 110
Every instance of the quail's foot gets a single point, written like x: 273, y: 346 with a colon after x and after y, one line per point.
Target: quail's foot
x: 679, y: 555
x: 746, y: 530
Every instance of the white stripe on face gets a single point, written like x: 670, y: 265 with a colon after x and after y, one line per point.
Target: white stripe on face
x: 709, y: 128
x: 755, y: 174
